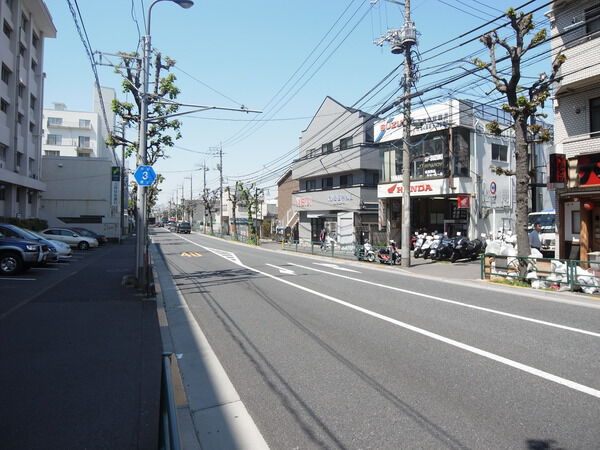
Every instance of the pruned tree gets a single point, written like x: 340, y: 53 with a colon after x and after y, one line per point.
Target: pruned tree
x: 522, y: 102
x: 209, y: 200
x: 250, y: 198
x: 234, y: 198
x: 163, y: 131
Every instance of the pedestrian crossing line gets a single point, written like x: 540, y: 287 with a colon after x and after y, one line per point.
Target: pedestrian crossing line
x: 191, y: 254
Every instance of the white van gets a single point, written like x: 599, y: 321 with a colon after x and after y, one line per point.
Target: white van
x: 547, y: 219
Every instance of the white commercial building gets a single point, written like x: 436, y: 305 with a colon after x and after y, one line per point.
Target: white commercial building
x: 25, y: 25
x: 457, y: 184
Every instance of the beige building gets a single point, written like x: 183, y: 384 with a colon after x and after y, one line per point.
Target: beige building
x: 25, y: 25
x: 575, y: 172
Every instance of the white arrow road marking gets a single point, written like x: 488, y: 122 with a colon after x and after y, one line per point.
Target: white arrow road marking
x: 282, y: 270
x: 335, y: 266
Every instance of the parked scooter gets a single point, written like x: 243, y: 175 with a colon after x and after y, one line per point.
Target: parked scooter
x: 466, y: 249
x: 365, y: 252
x: 389, y: 254
x: 430, y: 251
x: 421, y: 239
x: 444, y: 249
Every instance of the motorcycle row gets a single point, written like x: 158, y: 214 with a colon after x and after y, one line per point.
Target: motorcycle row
x: 436, y: 246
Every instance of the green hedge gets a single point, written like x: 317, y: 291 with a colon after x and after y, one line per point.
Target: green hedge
x: 31, y: 224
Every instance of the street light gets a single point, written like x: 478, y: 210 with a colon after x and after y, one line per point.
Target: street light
x: 142, y: 266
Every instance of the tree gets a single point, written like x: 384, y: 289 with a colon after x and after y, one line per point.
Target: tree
x: 522, y: 104
x: 234, y: 199
x: 250, y: 198
x: 209, y: 200
x: 162, y: 131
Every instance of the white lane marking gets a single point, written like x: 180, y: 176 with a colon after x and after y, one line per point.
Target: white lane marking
x: 336, y: 267
x: 454, y: 302
x: 17, y: 279
x: 469, y: 348
x: 282, y: 270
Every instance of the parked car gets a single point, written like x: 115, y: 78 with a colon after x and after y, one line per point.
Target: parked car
x: 70, y: 237
x: 50, y: 252
x: 63, y: 250
x: 183, y: 227
x: 89, y: 233
x: 18, y: 254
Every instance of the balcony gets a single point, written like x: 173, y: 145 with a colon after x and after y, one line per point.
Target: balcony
x: 82, y: 125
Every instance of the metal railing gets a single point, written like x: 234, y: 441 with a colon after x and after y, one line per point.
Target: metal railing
x: 168, y: 428
x: 543, y: 273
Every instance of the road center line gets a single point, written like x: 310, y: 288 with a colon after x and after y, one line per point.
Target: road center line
x: 477, y: 351
x: 454, y: 302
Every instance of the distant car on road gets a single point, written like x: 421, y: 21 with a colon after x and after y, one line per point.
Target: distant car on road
x: 70, y: 237
x: 183, y: 227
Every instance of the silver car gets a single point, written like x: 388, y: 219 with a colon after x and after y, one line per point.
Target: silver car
x: 70, y: 237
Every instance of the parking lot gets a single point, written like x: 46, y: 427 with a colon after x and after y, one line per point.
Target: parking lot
x: 19, y: 289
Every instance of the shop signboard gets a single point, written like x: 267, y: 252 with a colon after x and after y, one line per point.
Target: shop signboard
x: 558, y: 170
x: 425, y: 120
x: 417, y: 188
x: 588, y: 169
x: 463, y: 201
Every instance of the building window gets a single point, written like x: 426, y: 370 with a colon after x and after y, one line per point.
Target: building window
x: 84, y: 123
x: 6, y: 73
x: 55, y: 121
x: 7, y: 29
x: 499, y: 152
x: 30, y: 197
x: 346, y: 180
x: 31, y: 167
x: 54, y: 139
x: 327, y: 183
x: 84, y: 142
x: 31, y: 127
x: 35, y: 40
x: 592, y: 19
x: 327, y: 148
x: 18, y: 161
x: 21, y: 50
x: 595, y: 115
x: 51, y: 153
x: 24, y: 23
x: 311, y: 185
x: 34, y: 65
x: 19, y: 118
x: 345, y: 143
x: 32, y: 102
x: 3, y: 106
x: 2, y: 192
x: 21, y: 90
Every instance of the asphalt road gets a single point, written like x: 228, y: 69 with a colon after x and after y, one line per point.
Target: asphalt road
x: 332, y: 354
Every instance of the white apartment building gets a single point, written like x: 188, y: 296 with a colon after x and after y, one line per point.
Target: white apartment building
x: 25, y: 25
x: 575, y: 27
x: 78, y: 133
x: 82, y: 175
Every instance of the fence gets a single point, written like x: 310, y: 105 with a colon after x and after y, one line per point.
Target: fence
x: 543, y: 273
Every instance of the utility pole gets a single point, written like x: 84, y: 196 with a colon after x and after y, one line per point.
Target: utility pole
x: 220, y: 169
x: 122, y: 221
x: 401, y: 41
x: 182, y: 202
x: 191, y: 208
x: 204, y: 170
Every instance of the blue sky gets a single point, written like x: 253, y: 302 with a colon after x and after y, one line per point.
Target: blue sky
x: 251, y: 53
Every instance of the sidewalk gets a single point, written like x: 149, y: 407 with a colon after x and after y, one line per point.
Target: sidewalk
x: 81, y: 363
